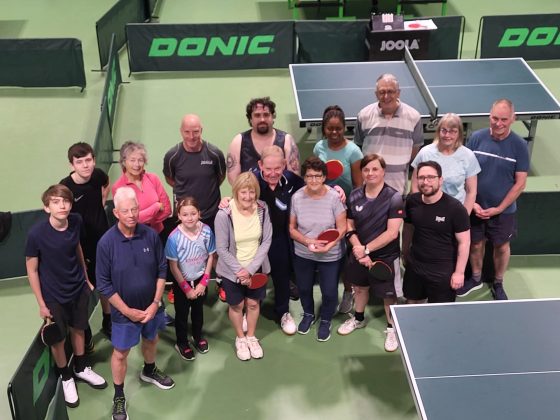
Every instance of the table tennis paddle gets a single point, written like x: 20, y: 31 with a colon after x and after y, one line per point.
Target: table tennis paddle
x: 329, y: 235
x: 335, y: 168
x: 381, y: 271
x: 258, y: 280
x: 50, y: 333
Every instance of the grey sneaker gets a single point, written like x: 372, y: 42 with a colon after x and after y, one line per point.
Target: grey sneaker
x: 347, y: 302
x: 119, y: 409
x: 350, y: 325
x: 158, y: 378
x: 391, y: 343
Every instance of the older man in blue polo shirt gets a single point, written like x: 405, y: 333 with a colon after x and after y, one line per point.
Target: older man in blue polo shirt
x: 131, y: 271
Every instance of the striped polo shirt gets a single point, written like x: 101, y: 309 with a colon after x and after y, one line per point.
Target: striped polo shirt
x: 392, y: 138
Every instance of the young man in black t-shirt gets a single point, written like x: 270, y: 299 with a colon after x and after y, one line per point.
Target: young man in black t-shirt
x: 439, y: 227
x: 90, y: 186
x: 57, y: 274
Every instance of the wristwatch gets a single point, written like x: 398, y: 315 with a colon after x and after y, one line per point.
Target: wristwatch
x: 366, y: 250
x: 157, y: 302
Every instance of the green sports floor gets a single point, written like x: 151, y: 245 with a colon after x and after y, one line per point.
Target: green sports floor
x: 346, y: 377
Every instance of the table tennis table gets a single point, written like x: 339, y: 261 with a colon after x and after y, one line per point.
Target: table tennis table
x: 482, y: 360
x: 433, y: 87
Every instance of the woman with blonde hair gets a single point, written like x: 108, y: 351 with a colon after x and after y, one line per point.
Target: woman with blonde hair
x: 459, y: 164
x: 243, y: 236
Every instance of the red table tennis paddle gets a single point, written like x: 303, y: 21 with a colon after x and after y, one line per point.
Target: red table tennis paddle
x: 335, y: 168
x: 329, y: 235
x: 50, y: 333
x: 258, y: 280
x: 381, y: 271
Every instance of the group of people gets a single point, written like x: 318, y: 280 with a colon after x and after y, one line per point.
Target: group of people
x: 459, y: 198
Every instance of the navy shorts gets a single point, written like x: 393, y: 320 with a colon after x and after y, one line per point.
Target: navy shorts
x: 126, y: 335
x: 499, y: 229
x: 72, y: 314
x: 236, y: 292
x: 358, y: 275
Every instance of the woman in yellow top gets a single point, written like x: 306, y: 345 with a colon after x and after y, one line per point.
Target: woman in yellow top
x: 243, y: 236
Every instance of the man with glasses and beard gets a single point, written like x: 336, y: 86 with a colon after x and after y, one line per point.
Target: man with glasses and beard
x: 438, y: 226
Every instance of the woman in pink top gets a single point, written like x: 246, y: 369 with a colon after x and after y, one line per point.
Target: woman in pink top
x: 152, y: 199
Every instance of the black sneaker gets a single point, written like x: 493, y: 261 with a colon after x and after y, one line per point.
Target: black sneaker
x: 119, y: 409
x: 185, y: 352
x: 158, y: 378
x: 294, y: 292
x: 201, y: 345
x: 306, y: 323
x: 469, y: 286
x: 324, y: 330
x: 498, y: 292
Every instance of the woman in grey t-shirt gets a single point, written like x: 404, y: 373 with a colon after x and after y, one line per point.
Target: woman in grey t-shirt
x: 314, y: 209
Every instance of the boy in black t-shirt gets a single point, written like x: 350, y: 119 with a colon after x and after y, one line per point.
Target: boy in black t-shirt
x: 90, y: 186
x: 56, y: 271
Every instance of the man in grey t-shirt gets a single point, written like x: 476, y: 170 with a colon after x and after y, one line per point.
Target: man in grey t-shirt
x: 196, y: 168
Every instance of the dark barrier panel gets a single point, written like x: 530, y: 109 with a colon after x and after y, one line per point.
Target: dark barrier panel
x: 213, y: 46
x: 33, y: 391
x: 537, y: 220
x: 446, y: 43
x: 114, y: 21
x: 112, y: 82
x: 103, y: 144
x: 323, y: 41
x: 12, y: 259
x: 533, y: 37
x: 34, y: 383
x: 342, y: 41
x: 54, y: 62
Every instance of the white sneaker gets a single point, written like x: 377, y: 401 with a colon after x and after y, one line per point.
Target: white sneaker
x: 287, y: 324
x: 347, y: 302
x: 391, y: 343
x: 350, y: 325
x: 91, y: 378
x: 70, y: 393
x: 244, y: 324
x: 242, y: 349
x: 255, y: 348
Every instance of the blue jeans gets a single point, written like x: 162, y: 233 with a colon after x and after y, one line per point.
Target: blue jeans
x: 328, y: 282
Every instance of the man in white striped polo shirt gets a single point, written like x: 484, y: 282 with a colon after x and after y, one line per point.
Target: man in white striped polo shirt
x: 392, y: 129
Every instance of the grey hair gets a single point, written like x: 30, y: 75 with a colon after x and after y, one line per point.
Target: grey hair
x: 130, y: 147
x: 388, y: 77
x: 124, y: 193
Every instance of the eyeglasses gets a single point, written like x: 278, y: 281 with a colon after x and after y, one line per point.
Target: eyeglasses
x: 430, y: 178
x: 445, y: 131
x: 386, y: 92
x: 314, y: 177
x: 124, y: 212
